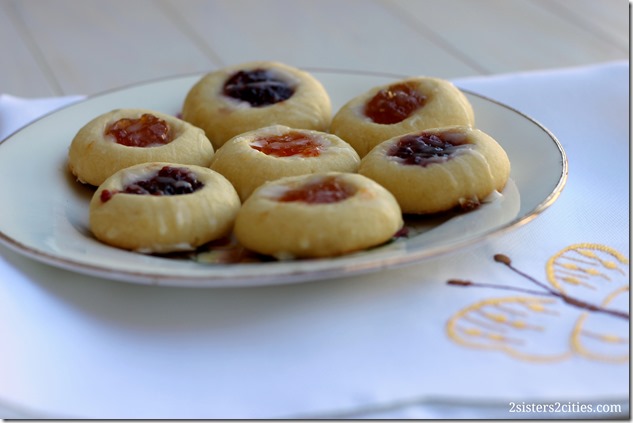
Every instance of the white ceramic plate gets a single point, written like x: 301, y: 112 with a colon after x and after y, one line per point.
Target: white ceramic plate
x: 44, y: 213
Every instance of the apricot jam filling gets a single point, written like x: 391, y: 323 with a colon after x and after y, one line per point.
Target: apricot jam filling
x: 258, y: 87
x: 289, y: 144
x: 426, y: 148
x: 146, y: 131
x: 167, y: 181
x: 394, y: 103
x: 325, y: 191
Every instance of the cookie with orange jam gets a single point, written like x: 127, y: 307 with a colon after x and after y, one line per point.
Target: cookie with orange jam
x: 404, y: 106
x: 163, y: 207
x: 253, y: 158
x: 126, y: 137
x: 318, y: 215
x: 439, y: 169
x: 253, y: 95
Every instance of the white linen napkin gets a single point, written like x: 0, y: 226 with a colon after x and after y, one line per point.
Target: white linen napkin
x: 16, y: 112
x: 396, y: 344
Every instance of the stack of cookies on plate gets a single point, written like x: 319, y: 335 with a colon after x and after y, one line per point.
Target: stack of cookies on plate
x: 258, y: 155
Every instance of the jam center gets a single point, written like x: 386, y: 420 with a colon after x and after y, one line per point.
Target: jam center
x: 286, y: 145
x: 394, y: 104
x: 168, y: 181
x: 258, y: 87
x: 146, y: 131
x: 427, y: 148
x: 325, y: 191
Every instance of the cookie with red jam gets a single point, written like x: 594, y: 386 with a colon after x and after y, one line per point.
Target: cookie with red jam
x: 163, y: 207
x: 439, y: 169
x: 317, y: 215
x: 398, y: 108
x: 248, y: 96
x: 266, y: 154
x: 126, y: 137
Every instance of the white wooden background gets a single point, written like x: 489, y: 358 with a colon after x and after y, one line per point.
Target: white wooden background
x: 61, y: 47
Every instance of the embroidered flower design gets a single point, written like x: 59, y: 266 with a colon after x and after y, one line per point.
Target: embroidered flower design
x: 586, y: 281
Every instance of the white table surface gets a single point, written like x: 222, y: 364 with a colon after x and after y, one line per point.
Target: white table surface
x: 63, y: 47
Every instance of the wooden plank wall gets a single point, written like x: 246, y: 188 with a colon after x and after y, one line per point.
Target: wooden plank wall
x: 61, y: 47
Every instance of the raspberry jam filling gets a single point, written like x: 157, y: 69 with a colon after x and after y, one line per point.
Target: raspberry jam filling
x: 258, y: 87
x: 394, y: 103
x: 146, y: 131
x: 168, y: 181
x: 427, y: 148
x: 325, y: 191
x: 289, y: 144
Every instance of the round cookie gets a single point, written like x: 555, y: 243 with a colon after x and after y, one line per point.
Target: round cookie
x: 404, y: 106
x: 163, y: 207
x: 318, y: 215
x: 126, y: 137
x: 253, y: 158
x: 252, y: 95
x: 438, y: 169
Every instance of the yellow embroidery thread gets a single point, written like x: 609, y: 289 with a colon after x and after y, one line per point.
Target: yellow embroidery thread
x: 576, y: 336
x: 585, y: 264
x: 559, y: 269
x: 496, y: 324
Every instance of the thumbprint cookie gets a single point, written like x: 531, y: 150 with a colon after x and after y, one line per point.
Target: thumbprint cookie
x: 163, y: 207
x: 126, y: 137
x: 253, y: 95
x: 439, y: 169
x: 266, y: 154
x: 404, y: 106
x: 317, y: 215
